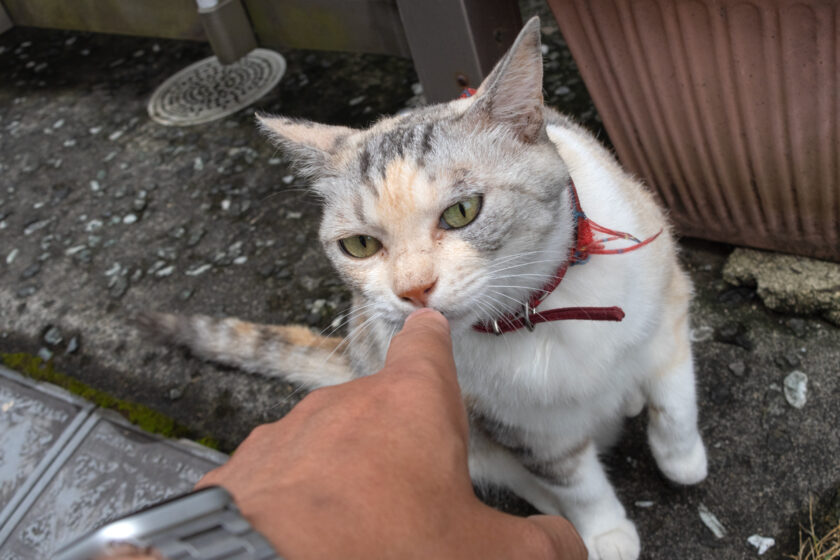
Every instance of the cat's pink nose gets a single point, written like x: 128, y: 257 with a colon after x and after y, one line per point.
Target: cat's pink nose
x: 418, y: 295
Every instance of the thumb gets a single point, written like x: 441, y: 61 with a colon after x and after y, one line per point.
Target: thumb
x: 564, y: 538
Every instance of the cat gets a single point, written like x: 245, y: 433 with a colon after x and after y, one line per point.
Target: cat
x: 470, y: 207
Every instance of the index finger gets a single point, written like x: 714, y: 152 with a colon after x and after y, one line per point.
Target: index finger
x: 424, y: 346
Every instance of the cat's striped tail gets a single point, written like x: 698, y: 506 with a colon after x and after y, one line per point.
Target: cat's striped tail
x: 293, y: 352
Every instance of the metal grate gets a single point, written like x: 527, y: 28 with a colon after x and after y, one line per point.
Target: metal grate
x: 207, y: 90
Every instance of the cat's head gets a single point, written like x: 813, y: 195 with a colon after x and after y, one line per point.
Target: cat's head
x: 461, y: 206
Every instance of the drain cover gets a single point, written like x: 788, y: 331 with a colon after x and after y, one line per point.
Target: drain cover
x: 207, y: 90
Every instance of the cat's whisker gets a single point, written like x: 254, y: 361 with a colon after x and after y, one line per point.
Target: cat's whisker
x: 284, y: 191
x: 518, y: 302
x: 518, y: 288
x: 345, y: 319
x: 506, y: 261
x: 501, y: 303
x: 521, y: 265
x: 494, y: 312
x: 358, y: 332
x: 354, y: 334
x: 509, y: 258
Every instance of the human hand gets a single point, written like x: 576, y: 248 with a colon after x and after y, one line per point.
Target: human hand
x: 377, y: 468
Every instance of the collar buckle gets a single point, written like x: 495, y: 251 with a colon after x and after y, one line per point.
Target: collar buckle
x: 526, y: 316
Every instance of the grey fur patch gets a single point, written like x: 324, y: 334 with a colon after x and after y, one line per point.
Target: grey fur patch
x: 358, y: 207
x: 558, y: 470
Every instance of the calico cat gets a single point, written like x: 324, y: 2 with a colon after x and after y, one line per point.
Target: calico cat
x: 470, y: 207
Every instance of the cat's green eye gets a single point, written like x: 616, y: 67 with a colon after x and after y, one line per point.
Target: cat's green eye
x: 460, y: 214
x: 360, y: 246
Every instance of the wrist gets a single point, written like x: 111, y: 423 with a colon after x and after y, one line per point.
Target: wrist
x: 202, y: 524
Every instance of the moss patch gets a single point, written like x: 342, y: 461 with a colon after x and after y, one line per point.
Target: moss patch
x: 138, y: 414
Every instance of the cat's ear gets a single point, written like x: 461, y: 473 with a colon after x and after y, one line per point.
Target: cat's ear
x: 512, y: 93
x: 309, y: 143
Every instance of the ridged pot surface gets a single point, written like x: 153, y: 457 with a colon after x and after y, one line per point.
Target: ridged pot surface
x: 729, y: 109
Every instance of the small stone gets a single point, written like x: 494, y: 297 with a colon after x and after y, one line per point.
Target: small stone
x: 157, y: 265
x: 10, y: 258
x: 118, y: 287
x: 129, y: 219
x: 287, y: 179
x: 195, y: 237
x: 235, y: 249
x: 562, y: 90
x: 644, y: 504
x: 738, y: 368
x: 35, y: 226
x: 53, y: 336
x: 115, y: 135
x: 221, y: 258
x: 95, y: 130
x: 83, y: 256
x: 198, y: 270
x: 763, y: 544
x: 701, y: 334
x: 788, y: 360
x: 796, y: 389
x: 30, y: 271
x: 240, y: 260
x: 797, y: 326
x: 185, y: 294
x: 175, y: 393
x: 178, y: 232
x: 93, y: 225
x: 294, y: 215
x: 45, y: 354
x: 734, y: 333
x: 139, y: 204
x: 275, y: 161
x: 59, y: 123
x: 167, y: 253
x: 356, y: 100
x: 711, y: 521
x: 226, y: 204
x: 26, y: 291
x: 95, y: 186
x: 284, y: 274
x: 73, y: 345
x: 166, y: 271
x: 198, y: 164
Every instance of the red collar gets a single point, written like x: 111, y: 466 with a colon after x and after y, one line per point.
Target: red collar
x: 585, y: 245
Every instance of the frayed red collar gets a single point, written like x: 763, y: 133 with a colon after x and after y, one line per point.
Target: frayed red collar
x: 585, y: 245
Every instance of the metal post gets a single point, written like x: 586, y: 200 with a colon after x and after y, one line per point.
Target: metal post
x: 455, y: 43
x: 228, y: 29
x: 5, y: 20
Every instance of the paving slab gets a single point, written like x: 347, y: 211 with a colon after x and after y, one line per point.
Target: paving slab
x: 36, y: 421
x: 73, y: 468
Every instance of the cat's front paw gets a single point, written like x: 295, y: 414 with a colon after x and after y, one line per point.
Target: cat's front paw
x: 619, y: 543
x: 683, y: 468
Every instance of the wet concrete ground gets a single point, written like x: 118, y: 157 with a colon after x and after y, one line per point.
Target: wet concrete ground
x: 104, y: 213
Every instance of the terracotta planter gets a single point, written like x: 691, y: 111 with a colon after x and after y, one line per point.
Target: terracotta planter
x: 729, y: 109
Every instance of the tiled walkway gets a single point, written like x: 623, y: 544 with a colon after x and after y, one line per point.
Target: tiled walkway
x: 66, y: 467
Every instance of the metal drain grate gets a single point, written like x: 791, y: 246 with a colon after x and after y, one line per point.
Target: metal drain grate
x: 207, y: 90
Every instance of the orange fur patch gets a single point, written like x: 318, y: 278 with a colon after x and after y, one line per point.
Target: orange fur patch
x: 397, y: 195
x: 302, y: 336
